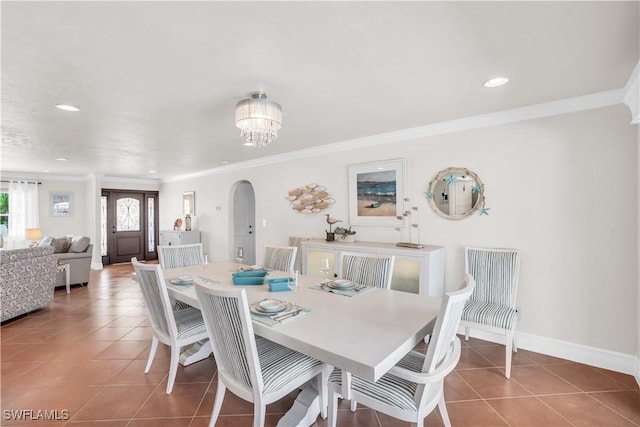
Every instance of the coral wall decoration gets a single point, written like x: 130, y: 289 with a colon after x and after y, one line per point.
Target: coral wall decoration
x: 311, y: 198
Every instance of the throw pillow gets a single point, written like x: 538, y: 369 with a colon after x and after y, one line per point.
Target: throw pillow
x: 46, y: 241
x: 79, y: 244
x: 60, y: 245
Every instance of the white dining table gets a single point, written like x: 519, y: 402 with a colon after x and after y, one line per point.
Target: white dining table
x: 365, y: 334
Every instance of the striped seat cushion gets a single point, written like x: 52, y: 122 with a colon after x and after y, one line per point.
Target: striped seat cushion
x: 499, y: 316
x: 412, y: 361
x: 281, y: 365
x: 390, y: 390
x: 189, y: 322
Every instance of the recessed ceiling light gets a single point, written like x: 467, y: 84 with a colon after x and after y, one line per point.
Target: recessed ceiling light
x: 67, y: 107
x: 46, y: 171
x: 62, y: 159
x: 224, y: 162
x: 152, y: 171
x: 496, y: 81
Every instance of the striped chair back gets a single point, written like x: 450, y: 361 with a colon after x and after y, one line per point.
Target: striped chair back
x: 296, y: 241
x: 156, y: 298
x: 444, y: 339
x: 280, y: 258
x: 173, y: 256
x: 226, y: 315
x: 496, y: 273
x: 370, y: 270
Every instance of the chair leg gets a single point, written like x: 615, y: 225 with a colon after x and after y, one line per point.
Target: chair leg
x: 152, y: 354
x: 515, y: 342
x: 259, y: 413
x: 217, y: 404
x: 354, y: 405
x: 173, y: 367
x: 466, y: 333
x: 346, y: 385
x: 442, y: 407
x: 323, y: 379
x: 333, y: 409
x: 508, y: 353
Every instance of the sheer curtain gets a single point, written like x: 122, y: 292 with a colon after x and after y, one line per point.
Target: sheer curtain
x: 24, y: 211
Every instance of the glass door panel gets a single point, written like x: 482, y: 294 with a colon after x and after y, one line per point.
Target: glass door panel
x: 406, y: 275
x: 314, y: 259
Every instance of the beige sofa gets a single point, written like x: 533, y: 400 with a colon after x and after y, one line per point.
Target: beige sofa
x: 79, y: 266
x: 26, y: 280
x: 75, y: 251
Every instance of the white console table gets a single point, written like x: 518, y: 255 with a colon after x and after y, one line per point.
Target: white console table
x: 416, y: 270
x: 171, y: 237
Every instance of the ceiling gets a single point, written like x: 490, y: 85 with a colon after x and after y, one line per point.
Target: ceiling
x: 157, y: 82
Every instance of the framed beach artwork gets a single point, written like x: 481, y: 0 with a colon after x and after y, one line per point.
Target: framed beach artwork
x: 376, y: 192
x: 61, y: 204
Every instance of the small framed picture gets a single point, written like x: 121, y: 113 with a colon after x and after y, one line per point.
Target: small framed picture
x: 61, y: 204
x: 376, y: 192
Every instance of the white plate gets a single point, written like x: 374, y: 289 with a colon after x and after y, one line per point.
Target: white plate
x: 182, y: 280
x: 341, y: 284
x: 267, y: 307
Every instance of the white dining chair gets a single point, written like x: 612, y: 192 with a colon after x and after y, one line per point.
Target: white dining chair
x: 492, y: 306
x: 281, y: 258
x: 295, y: 241
x: 173, y: 256
x: 256, y: 370
x: 364, y: 269
x: 367, y: 269
x: 173, y: 328
x: 415, y: 385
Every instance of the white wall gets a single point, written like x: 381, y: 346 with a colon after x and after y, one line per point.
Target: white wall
x: 561, y: 189
x: 77, y: 223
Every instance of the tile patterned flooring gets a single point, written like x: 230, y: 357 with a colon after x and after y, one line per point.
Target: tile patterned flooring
x: 85, y: 354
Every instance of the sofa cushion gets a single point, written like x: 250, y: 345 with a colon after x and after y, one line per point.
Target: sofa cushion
x: 60, y: 245
x: 79, y: 244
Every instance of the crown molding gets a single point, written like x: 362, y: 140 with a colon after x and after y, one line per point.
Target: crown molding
x: 554, y: 108
x: 632, y: 95
x: 41, y: 176
x: 88, y: 177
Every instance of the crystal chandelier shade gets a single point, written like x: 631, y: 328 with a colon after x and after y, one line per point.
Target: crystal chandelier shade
x: 259, y: 119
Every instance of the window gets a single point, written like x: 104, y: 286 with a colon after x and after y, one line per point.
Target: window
x: 151, y: 225
x: 103, y: 226
x: 4, y: 212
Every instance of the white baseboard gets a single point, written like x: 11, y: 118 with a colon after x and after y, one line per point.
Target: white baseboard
x: 606, y: 359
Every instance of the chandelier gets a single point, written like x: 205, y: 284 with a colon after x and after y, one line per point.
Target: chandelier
x: 259, y: 119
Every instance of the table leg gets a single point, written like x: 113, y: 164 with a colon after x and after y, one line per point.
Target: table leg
x: 305, y: 409
x: 196, y: 352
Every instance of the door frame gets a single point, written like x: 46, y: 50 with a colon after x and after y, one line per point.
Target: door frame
x: 145, y: 195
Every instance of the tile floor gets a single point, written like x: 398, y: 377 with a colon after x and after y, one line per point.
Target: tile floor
x: 84, y: 356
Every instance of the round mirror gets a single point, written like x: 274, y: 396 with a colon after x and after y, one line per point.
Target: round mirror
x: 455, y: 193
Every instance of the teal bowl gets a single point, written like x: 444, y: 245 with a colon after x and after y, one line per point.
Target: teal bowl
x: 244, y: 281
x: 279, y: 285
x: 250, y: 273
